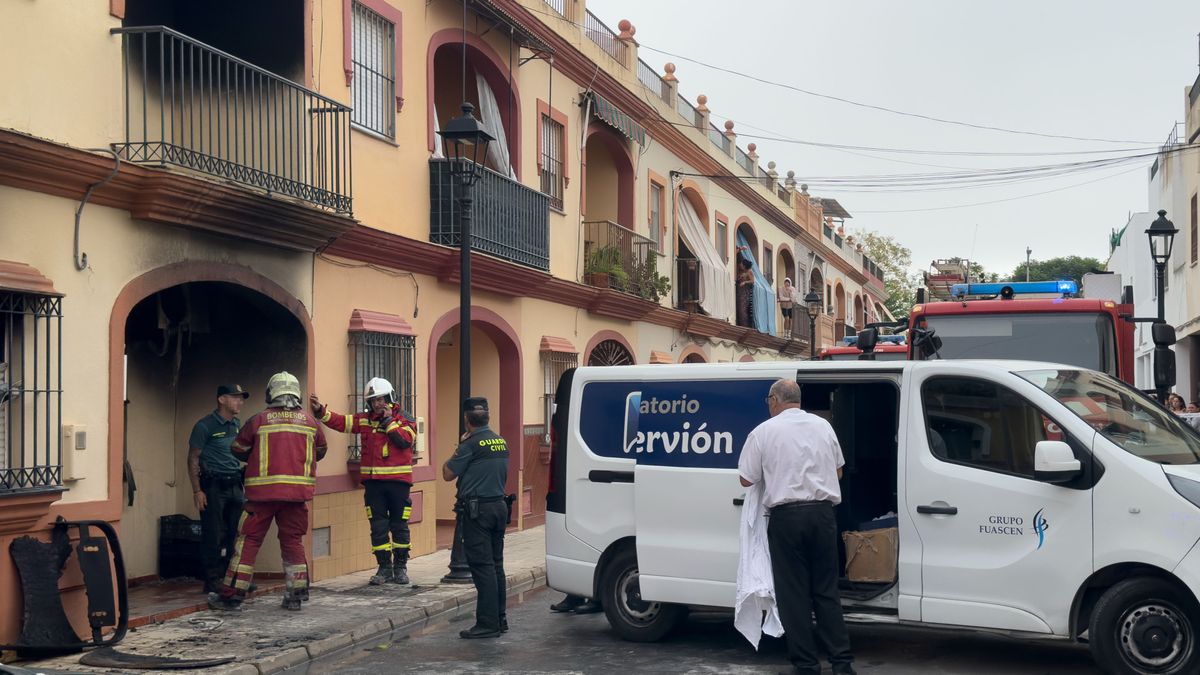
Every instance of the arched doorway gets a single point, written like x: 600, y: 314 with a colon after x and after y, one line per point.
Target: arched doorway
x: 859, y: 312
x: 839, y: 311
x: 608, y: 177
x: 746, y: 230
x: 495, y: 374
x: 183, y: 330
x: 787, y: 265
x: 693, y: 354
x: 817, y: 283
x: 485, y: 71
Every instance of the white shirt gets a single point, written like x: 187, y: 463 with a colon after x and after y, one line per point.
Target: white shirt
x: 796, y: 456
x: 755, y: 584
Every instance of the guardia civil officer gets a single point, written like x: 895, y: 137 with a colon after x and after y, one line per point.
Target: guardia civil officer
x: 216, y: 477
x: 481, y: 466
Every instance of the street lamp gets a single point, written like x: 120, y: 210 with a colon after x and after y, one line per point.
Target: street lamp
x: 466, y: 144
x: 1162, y: 237
x: 812, y: 304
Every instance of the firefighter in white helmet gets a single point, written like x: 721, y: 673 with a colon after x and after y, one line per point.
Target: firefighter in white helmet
x: 386, y: 434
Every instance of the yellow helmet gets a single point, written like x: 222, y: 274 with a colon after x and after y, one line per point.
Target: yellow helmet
x: 281, y: 384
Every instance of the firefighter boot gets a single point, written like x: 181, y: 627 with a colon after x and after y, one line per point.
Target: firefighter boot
x: 400, y: 567
x: 291, y: 601
x: 384, y: 574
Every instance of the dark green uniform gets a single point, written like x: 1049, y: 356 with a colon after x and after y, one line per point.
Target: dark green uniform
x: 481, y: 464
x: 221, y: 481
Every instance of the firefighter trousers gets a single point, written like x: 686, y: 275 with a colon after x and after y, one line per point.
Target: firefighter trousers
x: 291, y: 520
x: 388, y: 508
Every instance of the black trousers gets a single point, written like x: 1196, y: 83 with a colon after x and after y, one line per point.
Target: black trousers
x: 804, y: 565
x: 483, y: 544
x: 219, y: 523
x: 388, y: 508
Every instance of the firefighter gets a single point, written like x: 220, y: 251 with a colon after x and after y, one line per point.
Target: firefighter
x: 386, y: 434
x: 281, y: 446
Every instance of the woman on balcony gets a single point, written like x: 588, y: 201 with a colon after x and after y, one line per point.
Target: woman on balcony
x: 745, y: 291
x: 787, y: 301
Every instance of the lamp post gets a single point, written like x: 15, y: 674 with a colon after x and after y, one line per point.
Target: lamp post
x: 466, y: 144
x: 812, y: 304
x: 1028, y: 252
x: 1162, y: 237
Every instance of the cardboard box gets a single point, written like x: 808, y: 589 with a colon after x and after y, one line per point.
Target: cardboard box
x: 871, y: 556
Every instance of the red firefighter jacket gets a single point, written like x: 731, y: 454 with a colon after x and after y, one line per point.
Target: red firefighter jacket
x: 387, y: 441
x: 281, y: 448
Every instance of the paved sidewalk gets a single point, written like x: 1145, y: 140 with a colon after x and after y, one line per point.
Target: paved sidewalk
x: 343, y: 611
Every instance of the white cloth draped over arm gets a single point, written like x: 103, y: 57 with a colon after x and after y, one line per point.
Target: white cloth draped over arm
x: 489, y: 113
x: 755, y: 585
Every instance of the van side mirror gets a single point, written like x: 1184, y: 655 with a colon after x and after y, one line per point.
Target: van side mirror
x: 1164, y: 368
x: 1163, y: 334
x: 1054, y: 462
x: 867, y: 339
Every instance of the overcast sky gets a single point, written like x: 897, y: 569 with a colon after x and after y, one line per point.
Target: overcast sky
x: 1103, y: 69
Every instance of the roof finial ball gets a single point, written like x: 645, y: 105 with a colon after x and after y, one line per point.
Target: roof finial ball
x: 771, y: 166
x: 627, y: 29
x: 752, y: 148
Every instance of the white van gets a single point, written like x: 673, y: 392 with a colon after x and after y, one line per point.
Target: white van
x: 1032, y: 499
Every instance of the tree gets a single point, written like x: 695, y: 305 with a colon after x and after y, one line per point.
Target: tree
x: 978, y: 275
x: 895, y: 260
x: 1065, y: 267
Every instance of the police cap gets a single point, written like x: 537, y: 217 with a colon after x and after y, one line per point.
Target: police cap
x: 475, y: 403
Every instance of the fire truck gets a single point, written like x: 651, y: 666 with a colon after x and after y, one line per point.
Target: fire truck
x: 1042, y: 321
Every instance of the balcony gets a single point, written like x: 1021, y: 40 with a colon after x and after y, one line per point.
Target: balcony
x: 198, y: 108
x: 626, y: 258
x: 508, y: 219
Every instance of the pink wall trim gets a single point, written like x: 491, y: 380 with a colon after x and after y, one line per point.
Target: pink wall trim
x: 509, y: 351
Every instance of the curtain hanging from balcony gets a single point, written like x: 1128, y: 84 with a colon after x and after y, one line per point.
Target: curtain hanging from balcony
x: 489, y: 116
x: 438, y: 151
x: 612, y: 116
x: 764, y: 295
x: 716, y: 284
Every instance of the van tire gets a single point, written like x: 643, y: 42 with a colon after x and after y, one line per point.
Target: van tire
x: 1145, y: 626
x: 632, y: 618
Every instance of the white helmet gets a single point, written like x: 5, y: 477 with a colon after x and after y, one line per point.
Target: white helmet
x: 376, y: 387
x: 282, y: 383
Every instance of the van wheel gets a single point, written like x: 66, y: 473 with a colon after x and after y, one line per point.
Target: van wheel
x: 634, y: 619
x: 1145, y: 626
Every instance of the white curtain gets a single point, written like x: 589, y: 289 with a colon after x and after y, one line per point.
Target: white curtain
x: 489, y: 116
x: 716, y: 283
x: 438, y: 151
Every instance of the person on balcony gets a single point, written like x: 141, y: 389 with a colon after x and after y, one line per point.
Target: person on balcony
x: 788, y: 297
x: 745, y: 291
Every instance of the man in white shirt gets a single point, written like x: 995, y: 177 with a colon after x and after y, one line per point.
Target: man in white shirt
x: 796, y: 457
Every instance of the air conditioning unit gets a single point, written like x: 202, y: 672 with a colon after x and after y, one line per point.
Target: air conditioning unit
x: 419, y: 446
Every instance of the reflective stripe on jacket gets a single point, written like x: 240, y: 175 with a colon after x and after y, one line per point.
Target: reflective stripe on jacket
x: 281, y: 448
x: 382, y: 459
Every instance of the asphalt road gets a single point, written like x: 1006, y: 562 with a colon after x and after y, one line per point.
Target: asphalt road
x: 541, y: 641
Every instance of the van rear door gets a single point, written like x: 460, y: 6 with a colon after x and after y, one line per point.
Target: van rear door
x: 687, y: 438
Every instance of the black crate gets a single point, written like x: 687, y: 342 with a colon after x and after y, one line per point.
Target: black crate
x: 179, y: 551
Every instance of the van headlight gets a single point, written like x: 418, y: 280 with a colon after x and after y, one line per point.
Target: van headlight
x: 1187, y: 488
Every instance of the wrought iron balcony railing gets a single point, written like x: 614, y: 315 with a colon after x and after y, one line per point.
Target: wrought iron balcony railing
x: 687, y: 284
x: 628, y: 258
x: 508, y: 219
x: 190, y: 105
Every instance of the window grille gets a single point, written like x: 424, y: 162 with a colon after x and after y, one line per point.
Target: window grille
x: 30, y: 391
x: 657, y: 231
x: 374, y: 60
x: 386, y: 355
x: 552, y: 161
x: 554, y: 364
x: 723, y: 240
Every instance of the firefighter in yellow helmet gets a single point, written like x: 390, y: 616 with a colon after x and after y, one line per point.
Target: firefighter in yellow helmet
x: 281, y: 446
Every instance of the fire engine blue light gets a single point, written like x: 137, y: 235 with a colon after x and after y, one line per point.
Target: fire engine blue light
x: 852, y: 340
x: 1059, y: 287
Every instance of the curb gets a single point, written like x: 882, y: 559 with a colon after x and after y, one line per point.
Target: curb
x: 400, y: 624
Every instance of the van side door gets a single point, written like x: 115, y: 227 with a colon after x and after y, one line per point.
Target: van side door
x: 687, y: 497
x: 999, y: 549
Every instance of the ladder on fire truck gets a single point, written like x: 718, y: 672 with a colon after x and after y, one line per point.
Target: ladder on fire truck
x: 943, y: 274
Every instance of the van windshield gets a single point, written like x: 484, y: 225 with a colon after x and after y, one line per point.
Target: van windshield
x: 1077, y: 339
x: 1121, y: 414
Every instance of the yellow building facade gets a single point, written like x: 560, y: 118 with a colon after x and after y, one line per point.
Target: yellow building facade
x: 192, y: 195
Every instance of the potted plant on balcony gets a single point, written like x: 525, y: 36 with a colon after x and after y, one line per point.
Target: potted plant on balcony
x: 603, y: 269
x: 649, y: 283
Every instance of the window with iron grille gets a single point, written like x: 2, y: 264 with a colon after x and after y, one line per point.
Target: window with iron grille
x: 723, y: 240
x: 552, y: 161
x: 657, y: 231
x: 30, y: 391
x: 386, y: 355
x: 374, y: 60
x: 554, y: 364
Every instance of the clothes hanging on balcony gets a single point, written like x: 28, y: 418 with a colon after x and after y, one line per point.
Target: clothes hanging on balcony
x: 716, y: 293
x: 489, y: 117
x: 764, y: 296
x: 438, y: 151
